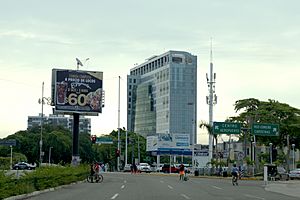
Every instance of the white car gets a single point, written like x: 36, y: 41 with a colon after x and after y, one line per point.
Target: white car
x: 294, y: 174
x: 144, y: 167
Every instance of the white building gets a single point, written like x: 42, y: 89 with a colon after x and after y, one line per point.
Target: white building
x: 60, y: 120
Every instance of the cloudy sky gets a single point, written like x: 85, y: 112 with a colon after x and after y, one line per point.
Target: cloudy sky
x: 256, y: 50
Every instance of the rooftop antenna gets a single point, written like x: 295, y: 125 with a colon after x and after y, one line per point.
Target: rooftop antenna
x: 78, y: 63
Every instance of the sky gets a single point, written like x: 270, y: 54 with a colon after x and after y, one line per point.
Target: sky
x: 256, y: 51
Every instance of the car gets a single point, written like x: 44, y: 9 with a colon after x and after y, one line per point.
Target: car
x: 294, y: 174
x: 281, y: 174
x: 127, y: 168
x: 23, y: 165
x: 144, y: 167
x: 166, y: 169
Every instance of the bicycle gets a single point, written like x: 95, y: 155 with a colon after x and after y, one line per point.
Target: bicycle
x: 234, y: 180
x: 97, y: 177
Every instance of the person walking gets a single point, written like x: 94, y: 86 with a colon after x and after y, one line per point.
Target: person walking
x: 181, y: 172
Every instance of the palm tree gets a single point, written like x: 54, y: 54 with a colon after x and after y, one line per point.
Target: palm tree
x: 209, y: 129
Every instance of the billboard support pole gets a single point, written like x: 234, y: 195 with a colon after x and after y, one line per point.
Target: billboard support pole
x: 75, y: 154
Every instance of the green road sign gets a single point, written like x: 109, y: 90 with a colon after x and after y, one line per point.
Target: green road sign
x: 104, y: 140
x: 226, y: 128
x: 265, y: 129
x: 10, y: 142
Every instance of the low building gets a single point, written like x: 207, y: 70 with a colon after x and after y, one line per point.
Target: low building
x: 60, y: 120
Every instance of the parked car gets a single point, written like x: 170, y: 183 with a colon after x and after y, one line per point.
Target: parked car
x: 144, y: 167
x: 127, y: 168
x: 294, y: 173
x: 166, y: 169
x: 281, y: 174
x: 156, y: 168
x: 23, y: 165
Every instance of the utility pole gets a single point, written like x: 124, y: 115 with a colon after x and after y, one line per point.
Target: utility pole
x: 211, y: 99
x: 42, y: 120
x: 118, y: 158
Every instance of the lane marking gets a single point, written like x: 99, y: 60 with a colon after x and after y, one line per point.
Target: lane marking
x: 125, y: 181
x: 115, y: 196
x: 254, y: 197
x: 169, y: 186
x: 161, y: 181
x: 186, y: 197
x: 216, y: 187
x: 122, y: 187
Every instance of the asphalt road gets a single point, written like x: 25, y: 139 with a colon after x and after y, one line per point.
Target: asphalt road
x: 122, y: 186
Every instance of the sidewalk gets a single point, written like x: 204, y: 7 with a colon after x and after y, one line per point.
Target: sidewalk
x: 290, y: 188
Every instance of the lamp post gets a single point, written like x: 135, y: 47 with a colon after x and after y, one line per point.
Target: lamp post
x: 293, y: 147
x: 271, y: 153
x: 193, y: 134
x: 41, y: 137
x: 50, y: 155
x: 10, y: 156
x: 253, y: 157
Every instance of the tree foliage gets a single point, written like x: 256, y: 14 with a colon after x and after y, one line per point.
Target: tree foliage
x: 271, y: 111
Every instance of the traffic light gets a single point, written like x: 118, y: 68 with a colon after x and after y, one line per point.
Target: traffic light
x: 117, y: 153
x: 93, y: 138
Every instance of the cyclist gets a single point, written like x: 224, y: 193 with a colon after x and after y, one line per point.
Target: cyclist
x: 234, y: 173
x: 97, y: 170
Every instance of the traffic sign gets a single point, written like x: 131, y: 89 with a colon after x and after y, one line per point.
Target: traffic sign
x: 226, y: 128
x: 11, y: 142
x: 104, y: 140
x: 265, y: 129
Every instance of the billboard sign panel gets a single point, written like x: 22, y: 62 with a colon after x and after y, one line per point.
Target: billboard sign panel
x: 152, y: 143
x: 168, y: 141
x: 76, y: 91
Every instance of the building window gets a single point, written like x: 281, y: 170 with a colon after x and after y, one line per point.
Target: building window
x: 134, y: 80
x: 129, y: 93
x: 130, y: 81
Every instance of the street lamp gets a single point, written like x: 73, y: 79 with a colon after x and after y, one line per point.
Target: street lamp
x: 293, y: 147
x: 271, y: 153
x: 50, y: 155
x: 253, y: 157
x: 41, y: 101
x: 193, y: 134
x: 10, y: 156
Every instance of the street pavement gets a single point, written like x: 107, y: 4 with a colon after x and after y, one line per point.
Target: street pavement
x: 126, y: 186
x: 290, y: 188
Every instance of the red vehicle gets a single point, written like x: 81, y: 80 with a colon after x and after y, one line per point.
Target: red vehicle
x: 166, y: 169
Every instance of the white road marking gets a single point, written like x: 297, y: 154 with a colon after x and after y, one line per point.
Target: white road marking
x: 217, y: 187
x: 125, y: 181
x: 122, y: 187
x: 162, y: 181
x: 115, y: 196
x: 254, y: 197
x: 169, y: 186
x: 186, y: 197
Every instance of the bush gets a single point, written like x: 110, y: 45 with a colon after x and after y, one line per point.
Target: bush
x: 40, y: 179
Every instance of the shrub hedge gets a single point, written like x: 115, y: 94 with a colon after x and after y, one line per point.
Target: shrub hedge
x: 40, y: 179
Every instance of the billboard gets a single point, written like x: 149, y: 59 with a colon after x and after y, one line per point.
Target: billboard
x: 168, y: 141
x: 76, y: 91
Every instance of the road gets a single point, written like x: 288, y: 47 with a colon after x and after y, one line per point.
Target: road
x: 121, y: 186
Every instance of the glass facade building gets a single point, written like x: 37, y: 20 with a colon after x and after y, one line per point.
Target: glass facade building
x: 162, y: 95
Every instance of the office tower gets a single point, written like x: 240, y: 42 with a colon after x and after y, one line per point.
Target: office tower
x: 162, y: 95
